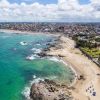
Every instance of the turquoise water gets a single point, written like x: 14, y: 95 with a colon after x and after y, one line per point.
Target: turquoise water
x: 16, y: 71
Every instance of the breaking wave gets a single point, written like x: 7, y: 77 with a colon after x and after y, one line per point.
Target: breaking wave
x: 32, y: 57
x: 35, y: 50
x: 26, y: 91
x: 55, y: 59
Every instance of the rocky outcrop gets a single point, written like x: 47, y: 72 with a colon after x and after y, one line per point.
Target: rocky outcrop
x: 49, y: 90
x: 42, y: 54
x: 57, y: 45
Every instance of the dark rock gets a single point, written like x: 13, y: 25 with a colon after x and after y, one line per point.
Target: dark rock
x: 42, y: 54
x: 61, y: 55
x: 49, y: 90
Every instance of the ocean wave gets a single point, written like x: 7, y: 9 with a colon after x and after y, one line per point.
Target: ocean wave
x: 38, y: 44
x: 34, y: 76
x: 54, y: 59
x: 36, y: 50
x: 32, y: 57
x: 36, y: 80
x: 51, y: 77
x: 26, y: 91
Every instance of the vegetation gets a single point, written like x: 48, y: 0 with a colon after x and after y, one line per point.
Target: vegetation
x: 94, y: 52
x: 97, y: 39
x: 89, y: 44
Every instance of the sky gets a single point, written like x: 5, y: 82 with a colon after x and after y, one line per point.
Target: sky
x: 49, y: 10
x: 32, y: 1
x: 44, y: 1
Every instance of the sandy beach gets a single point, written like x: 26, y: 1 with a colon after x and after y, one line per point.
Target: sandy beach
x: 87, y: 80
x: 18, y: 32
x: 27, y: 32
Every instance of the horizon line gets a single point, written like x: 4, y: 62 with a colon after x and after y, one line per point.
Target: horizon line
x: 46, y: 22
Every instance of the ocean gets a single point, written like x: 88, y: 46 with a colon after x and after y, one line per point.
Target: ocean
x: 17, y: 72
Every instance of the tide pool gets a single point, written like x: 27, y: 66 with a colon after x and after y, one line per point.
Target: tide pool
x: 16, y: 72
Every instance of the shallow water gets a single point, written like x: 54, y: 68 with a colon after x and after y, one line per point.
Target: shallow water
x: 16, y: 72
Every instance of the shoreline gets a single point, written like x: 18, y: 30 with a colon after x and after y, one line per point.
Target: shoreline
x: 87, y: 71
x: 18, y: 32
x: 27, y: 32
x: 67, y: 64
x: 74, y: 71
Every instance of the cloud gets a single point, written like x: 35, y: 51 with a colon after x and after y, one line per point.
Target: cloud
x: 64, y: 10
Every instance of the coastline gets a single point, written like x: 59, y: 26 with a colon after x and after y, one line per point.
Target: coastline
x: 67, y: 64
x: 18, y: 32
x: 27, y: 32
x: 74, y: 71
x: 86, y: 72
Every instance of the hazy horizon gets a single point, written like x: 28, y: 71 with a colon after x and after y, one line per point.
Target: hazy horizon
x: 45, y: 22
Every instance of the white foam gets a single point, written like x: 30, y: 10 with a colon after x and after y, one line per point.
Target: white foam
x: 32, y: 57
x: 36, y: 50
x: 64, y: 62
x: 57, y: 60
x: 23, y: 43
x: 54, y: 59
x: 37, y: 80
x: 38, y: 44
x: 34, y: 76
x: 51, y: 77
x: 26, y: 91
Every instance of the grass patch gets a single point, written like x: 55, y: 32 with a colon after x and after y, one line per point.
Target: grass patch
x: 94, y: 52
